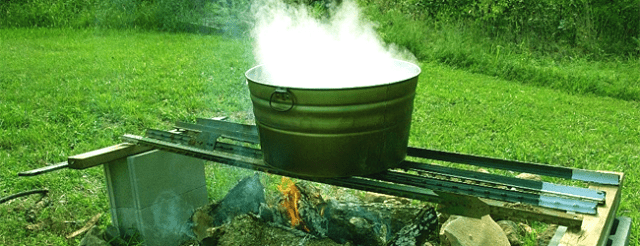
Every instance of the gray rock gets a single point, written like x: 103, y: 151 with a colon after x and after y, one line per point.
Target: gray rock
x: 468, y: 231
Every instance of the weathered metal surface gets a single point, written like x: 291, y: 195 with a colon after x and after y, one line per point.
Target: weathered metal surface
x: 511, y: 183
x: 527, y: 167
x: 222, y: 129
x: 463, y: 187
x: 445, y: 179
x: 45, y: 169
x: 244, y: 159
x: 436, y: 178
x: 521, y: 196
x: 245, y: 133
x: 334, y: 132
x: 392, y: 183
x: 596, y: 177
x: 187, y: 138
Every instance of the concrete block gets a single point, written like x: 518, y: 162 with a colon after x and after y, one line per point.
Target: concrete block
x: 620, y: 232
x: 154, y: 194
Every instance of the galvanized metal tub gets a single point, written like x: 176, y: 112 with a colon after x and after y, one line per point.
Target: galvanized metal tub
x: 334, y: 132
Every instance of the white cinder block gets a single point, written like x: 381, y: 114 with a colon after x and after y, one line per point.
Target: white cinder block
x: 154, y: 194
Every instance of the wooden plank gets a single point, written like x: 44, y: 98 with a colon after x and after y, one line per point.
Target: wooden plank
x: 595, y: 228
x: 105, y: 155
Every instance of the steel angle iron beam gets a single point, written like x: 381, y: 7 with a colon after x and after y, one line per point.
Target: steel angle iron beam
x: 258, y: 164
x: 400, y: 178
x: 568, y: 198
x: 544, y: 200
x: 108, y: 154
x: 549, y: 189
x: 206, y: 143
x: 527, y: 167
x: 463, y: 188
x: 562, y: 203
x: 229, y: 130
x: 362, y: 183
x: 251, y: 159
x: 249, y: 133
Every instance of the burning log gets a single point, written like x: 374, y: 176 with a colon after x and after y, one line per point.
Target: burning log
x: 246, y: 197
x: 251, y: 230
x: 418, y: 232
x: 303, y: 212
x: 291, y: 197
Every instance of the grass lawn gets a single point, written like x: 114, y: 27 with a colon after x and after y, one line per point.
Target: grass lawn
x: 64, y: 92
x: 471, y: 113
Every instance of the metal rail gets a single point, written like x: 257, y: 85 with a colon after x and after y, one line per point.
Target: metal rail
x: 436, y: 178
x: 441, y: 179
x: 463, y: 190
x: 370, y: 183
x: 518, y: 166
x: 418, y: 180
x: 249, y: 133
x: 548, y: 189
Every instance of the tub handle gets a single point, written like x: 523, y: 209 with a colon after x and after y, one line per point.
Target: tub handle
x: 284, y: 95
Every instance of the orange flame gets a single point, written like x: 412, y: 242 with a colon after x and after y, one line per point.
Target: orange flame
x: 291, y: 196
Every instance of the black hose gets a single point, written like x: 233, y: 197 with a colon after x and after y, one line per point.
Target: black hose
x: 21, y: 194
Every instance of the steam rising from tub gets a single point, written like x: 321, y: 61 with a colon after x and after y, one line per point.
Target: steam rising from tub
x: 298, y: 50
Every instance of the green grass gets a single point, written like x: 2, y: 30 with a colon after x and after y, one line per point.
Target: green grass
x: 472, y: 113
x: 67, y: 91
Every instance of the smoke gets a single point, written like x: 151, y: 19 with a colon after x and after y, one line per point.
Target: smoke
x: 343, y: 50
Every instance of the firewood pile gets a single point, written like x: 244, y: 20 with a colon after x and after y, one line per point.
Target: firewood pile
x: 306, y: 213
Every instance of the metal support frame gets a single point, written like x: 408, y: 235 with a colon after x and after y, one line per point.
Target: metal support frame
x: 591, y: 223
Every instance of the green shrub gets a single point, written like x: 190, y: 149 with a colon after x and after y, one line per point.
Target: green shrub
x: 43, y: 13
x: 461, y: 43
x: 167, y: 15
x: 231, y: 17
x: 586, y: 26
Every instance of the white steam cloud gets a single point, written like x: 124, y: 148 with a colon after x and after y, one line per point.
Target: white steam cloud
x: 298, y: 50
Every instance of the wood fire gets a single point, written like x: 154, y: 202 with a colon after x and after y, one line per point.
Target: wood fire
x: 291, y: 196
